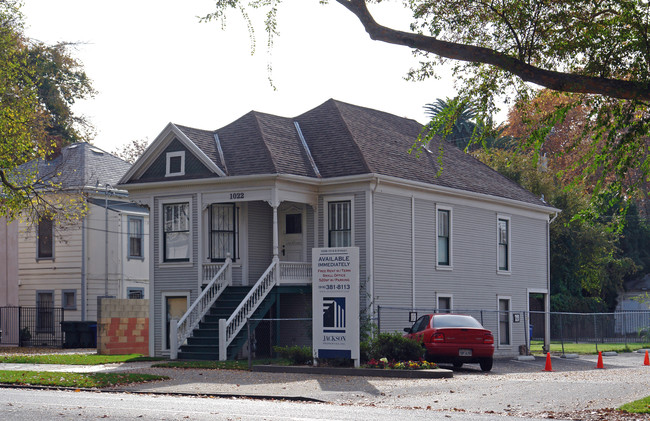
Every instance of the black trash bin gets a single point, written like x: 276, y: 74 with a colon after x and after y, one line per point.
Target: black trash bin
x: 79, y: 334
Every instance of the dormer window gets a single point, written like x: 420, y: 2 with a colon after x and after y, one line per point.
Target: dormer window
x: 175, y: 164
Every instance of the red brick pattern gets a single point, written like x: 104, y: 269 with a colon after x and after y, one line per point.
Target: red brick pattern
x: 124, y: 335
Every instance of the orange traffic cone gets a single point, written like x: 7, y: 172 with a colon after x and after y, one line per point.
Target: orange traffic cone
x: 646, y: 360
x: 600, y: 360
x: 548, y: 366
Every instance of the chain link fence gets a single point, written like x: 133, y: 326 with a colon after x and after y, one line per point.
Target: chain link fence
x: 515, y: 329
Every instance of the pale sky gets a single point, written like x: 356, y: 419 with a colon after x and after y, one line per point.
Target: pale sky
x: 152, y: 63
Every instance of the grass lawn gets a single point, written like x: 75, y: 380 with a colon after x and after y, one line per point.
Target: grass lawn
x: 642, y: 406
x: 584, y: 348
x: 74, y: 359
x: 85, y: 380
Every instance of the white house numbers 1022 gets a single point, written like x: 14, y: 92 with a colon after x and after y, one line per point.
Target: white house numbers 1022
x: 335, y: 300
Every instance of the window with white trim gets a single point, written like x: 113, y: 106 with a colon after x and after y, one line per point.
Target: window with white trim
x: 444, y: 303
x: 136, y: 237
x: 339, y: 223
x: 503, y: 244
x: 504, y: 321
x: 443, y: 251
x: 224, y: 221
x: 176, y: 232
x: 175, y: 164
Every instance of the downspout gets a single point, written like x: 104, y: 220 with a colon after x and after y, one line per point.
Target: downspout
x: 371, y: 246
x: 83, y: 269
x: 106, y: 239
x: 412, y: 252
x: 121, y: 291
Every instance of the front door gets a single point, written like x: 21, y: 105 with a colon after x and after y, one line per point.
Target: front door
x: 291, y: 221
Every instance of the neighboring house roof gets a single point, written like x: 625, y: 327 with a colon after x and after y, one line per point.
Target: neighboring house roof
x: 83, y: 165
x: 340, y: 140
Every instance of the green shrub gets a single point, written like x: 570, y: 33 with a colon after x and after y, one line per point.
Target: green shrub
x: 297, y: 355
x: 392, y: 346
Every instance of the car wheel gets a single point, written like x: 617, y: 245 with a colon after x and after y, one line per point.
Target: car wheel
x: 486, y: 364
x: 458, y: 365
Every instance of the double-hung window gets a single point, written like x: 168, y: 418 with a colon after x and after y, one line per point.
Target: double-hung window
x: 136, y: 236
x: 176, y: 232
x: 444, y: 237
x: 503, y: 239
x: 339, y: 226
x: 223, y: 231
x: 45, y: 244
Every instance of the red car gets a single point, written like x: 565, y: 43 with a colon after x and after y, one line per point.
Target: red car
x: 454, y: 338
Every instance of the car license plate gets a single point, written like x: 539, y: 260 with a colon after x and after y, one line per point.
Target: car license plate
x: 464, y: 352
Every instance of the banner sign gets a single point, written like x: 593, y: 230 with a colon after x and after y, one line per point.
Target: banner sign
x: 335, y: 302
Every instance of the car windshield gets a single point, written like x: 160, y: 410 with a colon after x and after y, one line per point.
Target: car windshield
x: 455, y: 320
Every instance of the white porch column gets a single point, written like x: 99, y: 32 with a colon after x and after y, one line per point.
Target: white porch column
x: 275, y: 232
x: 275, y: 203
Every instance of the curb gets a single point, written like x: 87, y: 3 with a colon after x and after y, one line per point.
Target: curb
x: 439, y: 373
x: 153, y: 392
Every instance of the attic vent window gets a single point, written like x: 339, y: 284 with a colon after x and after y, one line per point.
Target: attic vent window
x: 97, y: 151
x: 175, y: 164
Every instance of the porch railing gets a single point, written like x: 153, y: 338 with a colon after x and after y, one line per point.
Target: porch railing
x: 228, y: 329
x: 295, y: 272
x: 210, y: 270
x: 184, y: 327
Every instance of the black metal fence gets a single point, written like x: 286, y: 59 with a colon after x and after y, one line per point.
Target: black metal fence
x: 31, y: 326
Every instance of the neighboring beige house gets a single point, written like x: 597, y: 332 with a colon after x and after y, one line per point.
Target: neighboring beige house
x: 103, y: 254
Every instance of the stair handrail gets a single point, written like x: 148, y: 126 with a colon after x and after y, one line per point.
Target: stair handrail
x: 202, y: 304
x: 228, y: 329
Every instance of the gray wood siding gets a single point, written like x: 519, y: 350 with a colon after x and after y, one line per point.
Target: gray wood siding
x: 193, y: 167
x: 260, y: 239
x: 393, y: 262
x: 360, y: 223
x: 425, y: 252
x: 172, y: 277
x: 360, y: 235
x: 473, y: 282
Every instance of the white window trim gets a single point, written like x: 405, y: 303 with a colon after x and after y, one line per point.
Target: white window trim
x: 509, y: 257
x: 163, y: 317
x: 128, y: 237
x: 326, y: 205
x: 450, y: 266
x: 171, y: 155
x: 161, y: 230
x: 498, y: 338
x: 451, y: 301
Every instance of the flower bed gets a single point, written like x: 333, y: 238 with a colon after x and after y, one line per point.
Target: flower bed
x: 383, y: 363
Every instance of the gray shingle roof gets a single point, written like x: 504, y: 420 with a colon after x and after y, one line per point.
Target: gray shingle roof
x: 345, y: 140
x: 81, y: 164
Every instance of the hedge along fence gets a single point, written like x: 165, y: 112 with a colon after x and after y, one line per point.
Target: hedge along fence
x: 123, y: 327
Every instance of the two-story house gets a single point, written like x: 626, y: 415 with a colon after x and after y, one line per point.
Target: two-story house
x: 241, y: 207
x: 69, y: 265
